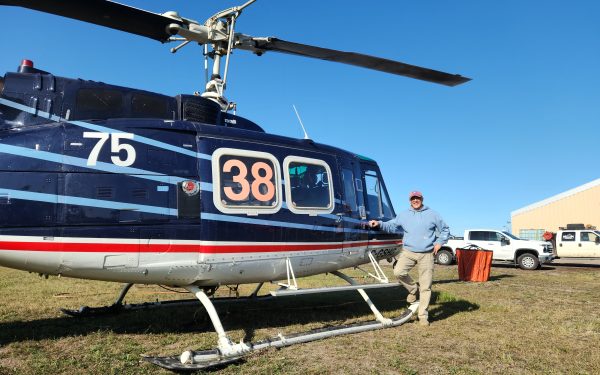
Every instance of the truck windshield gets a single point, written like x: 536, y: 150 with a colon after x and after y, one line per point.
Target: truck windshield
x: 511, y: 235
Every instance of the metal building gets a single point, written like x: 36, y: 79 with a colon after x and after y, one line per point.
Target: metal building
x: 580, y: 205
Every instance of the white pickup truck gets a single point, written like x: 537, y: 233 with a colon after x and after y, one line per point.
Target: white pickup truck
x: 528, y: 255
x: 574, y: 243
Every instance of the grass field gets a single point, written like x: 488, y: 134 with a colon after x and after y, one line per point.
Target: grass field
x: 520, y: 322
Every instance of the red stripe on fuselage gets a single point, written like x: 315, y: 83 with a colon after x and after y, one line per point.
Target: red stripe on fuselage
x: 176, y: 248
x: 72, y: 247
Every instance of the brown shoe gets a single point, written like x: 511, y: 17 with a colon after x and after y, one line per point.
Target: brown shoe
x: 424, y: 323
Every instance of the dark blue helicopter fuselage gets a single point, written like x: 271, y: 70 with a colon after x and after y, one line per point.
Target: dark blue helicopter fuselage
x: 113, y: 183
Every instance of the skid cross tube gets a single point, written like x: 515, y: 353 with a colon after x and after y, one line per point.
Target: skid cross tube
x: 380, y: 318
x: 110, y: 309
x: 124, y: 292
x: 291, y: 277
x: 379, y: 274
x: 226, y: 347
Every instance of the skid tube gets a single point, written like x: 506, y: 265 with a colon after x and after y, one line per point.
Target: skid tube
x: 228, y: 352
x: 209, y: 359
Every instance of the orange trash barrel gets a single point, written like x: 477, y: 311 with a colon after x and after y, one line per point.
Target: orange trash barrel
x: 474, y: 264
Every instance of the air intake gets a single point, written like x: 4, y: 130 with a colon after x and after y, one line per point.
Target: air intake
x: 198, y: 109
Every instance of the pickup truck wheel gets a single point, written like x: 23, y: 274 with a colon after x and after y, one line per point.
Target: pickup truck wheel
x: 444, y: 257
x: 528, y: 261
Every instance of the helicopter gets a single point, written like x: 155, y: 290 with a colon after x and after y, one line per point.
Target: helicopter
x: 113, y: 183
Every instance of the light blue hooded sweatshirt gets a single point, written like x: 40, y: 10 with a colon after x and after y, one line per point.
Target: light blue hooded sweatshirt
x: 422, y: 229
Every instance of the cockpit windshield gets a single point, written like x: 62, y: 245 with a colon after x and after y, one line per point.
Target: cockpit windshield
x: 378, y: 202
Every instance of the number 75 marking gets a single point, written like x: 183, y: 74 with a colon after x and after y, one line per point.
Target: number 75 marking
x: 115, y: 148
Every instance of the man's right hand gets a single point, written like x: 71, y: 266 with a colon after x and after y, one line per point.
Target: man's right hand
x: 373, y: 224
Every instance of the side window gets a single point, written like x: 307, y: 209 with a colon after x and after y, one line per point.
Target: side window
x: 308, y: 185
x: 246, y: 182
x: 378, y: 203
x: 585, y: 236
x: 98, y: 103
x: 494, y: 236
x: 477, y: 236
x: 144, y: 105
x: 568, y: 236
x: 349, y: 191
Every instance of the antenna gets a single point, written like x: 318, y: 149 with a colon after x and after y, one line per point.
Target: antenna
x: 205, y: 64
x: 301, y: 124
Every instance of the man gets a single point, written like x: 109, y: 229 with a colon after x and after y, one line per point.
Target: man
x: 424, y: 234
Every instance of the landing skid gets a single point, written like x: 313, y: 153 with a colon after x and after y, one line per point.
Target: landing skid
x: 228, y: 352
x: 174, y: 363
x: 209, y: 359
x: 104, y: 310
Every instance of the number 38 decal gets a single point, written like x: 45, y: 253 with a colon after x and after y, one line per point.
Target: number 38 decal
x: 246, y: 181
x: 265, y: 195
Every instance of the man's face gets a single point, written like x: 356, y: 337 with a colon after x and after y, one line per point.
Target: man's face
x: 416, y: 203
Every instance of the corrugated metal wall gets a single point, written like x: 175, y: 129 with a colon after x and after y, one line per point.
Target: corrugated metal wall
x: 582, y: 207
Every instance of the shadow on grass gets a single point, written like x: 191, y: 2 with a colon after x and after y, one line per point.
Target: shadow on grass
x: 492, y: 278
x: 448, y: 305
x: 553, y: 266
x: 330, y: 309
x: 500, y: 277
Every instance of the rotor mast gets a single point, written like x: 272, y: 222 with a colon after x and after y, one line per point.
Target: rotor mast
x: 219, y: 32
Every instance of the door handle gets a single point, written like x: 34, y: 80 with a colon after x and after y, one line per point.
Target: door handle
x: 579, y: 245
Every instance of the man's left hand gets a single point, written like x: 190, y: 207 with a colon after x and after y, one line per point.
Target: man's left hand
x: 436, y: 248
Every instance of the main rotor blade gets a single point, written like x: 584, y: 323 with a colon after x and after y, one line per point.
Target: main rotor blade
x: 104, y: 13
x: 352, y: 58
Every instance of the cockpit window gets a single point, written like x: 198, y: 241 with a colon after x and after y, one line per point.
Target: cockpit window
x: 378, y: 202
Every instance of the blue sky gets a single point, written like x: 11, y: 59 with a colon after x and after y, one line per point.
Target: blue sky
x: 524, y: 129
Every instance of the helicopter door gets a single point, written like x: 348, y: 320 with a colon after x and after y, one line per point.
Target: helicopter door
x: 377, y: 202
x: 353, y: 209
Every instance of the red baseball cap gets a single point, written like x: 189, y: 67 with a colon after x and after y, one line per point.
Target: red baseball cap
x: 415, y: 194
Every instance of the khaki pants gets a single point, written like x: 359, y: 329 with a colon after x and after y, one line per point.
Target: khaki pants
x: 407, y: 262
